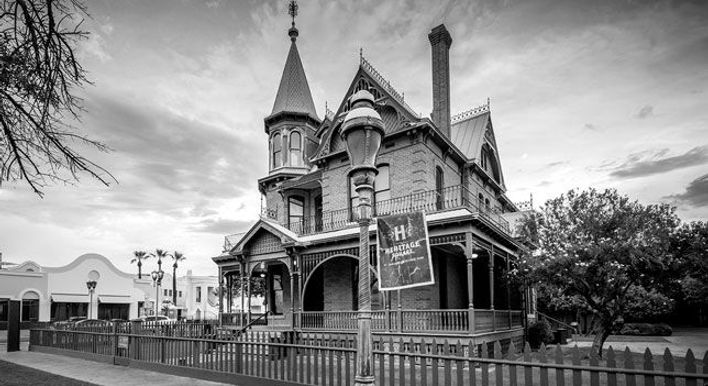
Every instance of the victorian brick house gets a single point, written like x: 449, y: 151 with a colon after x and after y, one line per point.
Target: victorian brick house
x: 305, y: 244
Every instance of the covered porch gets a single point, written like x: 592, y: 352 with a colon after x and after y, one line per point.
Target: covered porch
x: 315, y: 289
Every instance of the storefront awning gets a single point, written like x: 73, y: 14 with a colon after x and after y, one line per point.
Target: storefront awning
x: 63, y: 298
x: 114, y: 299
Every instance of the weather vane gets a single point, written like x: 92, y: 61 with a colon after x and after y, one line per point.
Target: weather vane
x: 292, y: 10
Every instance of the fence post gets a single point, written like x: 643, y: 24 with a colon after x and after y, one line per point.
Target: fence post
x: 115, y: 339
x: 239, y: 349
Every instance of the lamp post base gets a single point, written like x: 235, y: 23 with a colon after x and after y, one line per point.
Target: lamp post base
x: 361, y: 380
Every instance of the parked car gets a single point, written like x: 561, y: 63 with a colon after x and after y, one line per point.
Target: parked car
x: 67, y: 324
x: 159, y: 319
x: 95, y: 325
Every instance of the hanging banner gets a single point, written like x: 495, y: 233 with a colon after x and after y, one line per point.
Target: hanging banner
x: 404, y: 259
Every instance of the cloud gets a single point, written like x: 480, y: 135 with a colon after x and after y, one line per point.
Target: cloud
x: 557, y: 163
x: 222, y: 226
x: 590, y: 127
x: 645, y: 112
x: 696, y: 193
x: 653, y: 162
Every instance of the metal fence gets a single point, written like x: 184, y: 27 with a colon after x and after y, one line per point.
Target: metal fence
x: 329, y: 359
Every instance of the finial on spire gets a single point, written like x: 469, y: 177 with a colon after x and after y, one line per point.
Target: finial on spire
x: 292, y: 11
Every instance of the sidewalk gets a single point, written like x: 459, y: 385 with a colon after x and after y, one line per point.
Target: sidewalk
x: 678, y: 343
x: 94, y: 372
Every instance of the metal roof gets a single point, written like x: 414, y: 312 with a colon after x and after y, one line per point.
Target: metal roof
x: 468, y: 135
x: 294, y: 93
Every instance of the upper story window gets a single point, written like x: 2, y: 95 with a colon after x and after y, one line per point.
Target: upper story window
x: 382, y: 184
x: 439, y: 186
x: 296, y: 149
x: 296, y: 209
x: 276, y: 145
x: 199, y: 295
x: 382, y: 190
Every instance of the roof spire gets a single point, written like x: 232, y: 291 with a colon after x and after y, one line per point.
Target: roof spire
x: 292, y: 11
x: 294, y: 93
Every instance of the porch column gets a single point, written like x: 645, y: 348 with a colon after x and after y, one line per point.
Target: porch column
x: 300, y: 289
x: 491, y: 278
x: 242, y: 277
x: 221, y: 295
x: 228, y: 283
x: 293, y: 277
x: 469, y: 254
x: 491, y: 287
x: 508, y: 289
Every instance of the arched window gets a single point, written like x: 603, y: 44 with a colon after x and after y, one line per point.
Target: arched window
x: 439, y: 187
x: 296, y: 212
x: 30, y: 307
x: 276, y: 145
x: 382, y: 184
x: 486, y: 203
x: 480, y: 199
x: 295, y: 149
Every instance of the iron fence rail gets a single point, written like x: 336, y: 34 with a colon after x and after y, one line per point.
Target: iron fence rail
x: 329, y: 359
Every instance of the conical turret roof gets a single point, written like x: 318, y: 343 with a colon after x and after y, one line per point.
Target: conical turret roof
x: 294, y: 93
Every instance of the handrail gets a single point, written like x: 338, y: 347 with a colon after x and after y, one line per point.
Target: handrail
x: 435, y: 200
x: 541, y: 314
x: 252, y: 322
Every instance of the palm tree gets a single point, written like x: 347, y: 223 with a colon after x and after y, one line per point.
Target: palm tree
x: 139, y: 257
x: 176, y: 257
x: 160, y: 254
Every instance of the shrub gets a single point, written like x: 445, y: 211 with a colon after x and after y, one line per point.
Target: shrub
x: 540, y: 332
x: 660, y: 329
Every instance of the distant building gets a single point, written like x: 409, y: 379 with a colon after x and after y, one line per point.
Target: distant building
x: 58, y: 293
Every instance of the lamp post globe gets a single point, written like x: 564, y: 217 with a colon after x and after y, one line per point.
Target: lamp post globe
x: 362, y: 132
x: 91, y: 286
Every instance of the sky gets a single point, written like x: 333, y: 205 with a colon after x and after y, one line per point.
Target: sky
x: 601, y: 93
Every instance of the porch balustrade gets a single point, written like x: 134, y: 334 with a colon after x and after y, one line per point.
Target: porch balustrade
x: 452, y: 321
x: 430, y: 201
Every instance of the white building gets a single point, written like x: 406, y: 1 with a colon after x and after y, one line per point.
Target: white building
x: 58, y: 293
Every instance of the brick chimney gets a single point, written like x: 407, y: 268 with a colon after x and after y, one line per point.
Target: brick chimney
x: 440, y: 42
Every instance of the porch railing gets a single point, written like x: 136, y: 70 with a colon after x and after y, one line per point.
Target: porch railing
x: 451, y: 197
x: 450, y: 321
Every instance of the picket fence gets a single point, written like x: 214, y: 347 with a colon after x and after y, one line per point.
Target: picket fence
x: 329, y: 359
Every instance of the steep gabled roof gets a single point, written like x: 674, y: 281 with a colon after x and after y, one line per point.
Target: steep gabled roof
x: 294, y: 92
x: 470, y: 131
x: 395, y: 112
x: 468, y: 134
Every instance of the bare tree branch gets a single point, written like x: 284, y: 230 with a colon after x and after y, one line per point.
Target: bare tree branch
x: 39, y: 76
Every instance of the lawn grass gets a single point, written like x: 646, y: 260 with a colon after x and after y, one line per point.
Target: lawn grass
x: 12, y: 374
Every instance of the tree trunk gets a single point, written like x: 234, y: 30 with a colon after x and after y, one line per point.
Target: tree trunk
x: 174, y: 284
x: 140, y: 273
x: 601, y: 333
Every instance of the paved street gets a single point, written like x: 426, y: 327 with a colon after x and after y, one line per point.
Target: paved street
x: 94, y: 372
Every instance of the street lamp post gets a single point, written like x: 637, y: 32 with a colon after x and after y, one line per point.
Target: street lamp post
x: 157, y: 281
x: 362, y: 132
x: 91, y: 285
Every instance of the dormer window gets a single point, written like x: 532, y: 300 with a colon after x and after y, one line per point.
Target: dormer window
x: 276, y: 145
x: 295, y: 149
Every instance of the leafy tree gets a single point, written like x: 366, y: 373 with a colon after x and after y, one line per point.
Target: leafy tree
x: 599, y: 251
x: 39, y: 76
x: 139, y: 256
x: 176, y: 258
x: 691, y: 248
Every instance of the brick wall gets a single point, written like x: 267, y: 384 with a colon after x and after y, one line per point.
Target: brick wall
x: 338, y: 291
